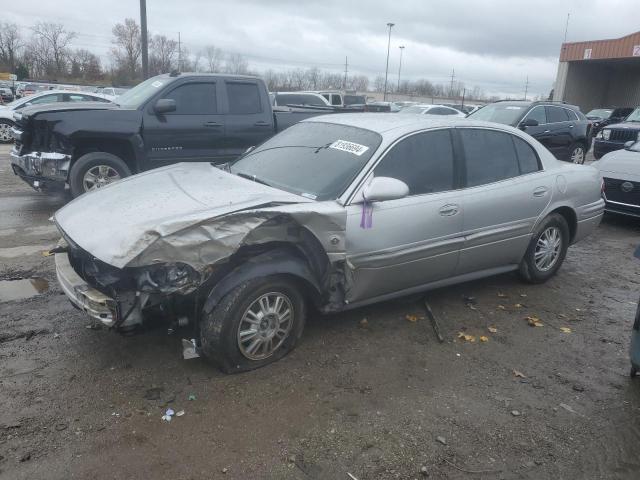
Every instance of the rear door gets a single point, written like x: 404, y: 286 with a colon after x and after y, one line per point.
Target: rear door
x: 506, y: 191
x: 560, y: 126
x: 413, y: 240
x: 193, y: 132
x: 249, y: 118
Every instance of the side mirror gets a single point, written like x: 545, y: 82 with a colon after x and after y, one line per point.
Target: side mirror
x: 165, y: 105
x: 385, y: 188
x: 629, y: 144
x: 529, y: 122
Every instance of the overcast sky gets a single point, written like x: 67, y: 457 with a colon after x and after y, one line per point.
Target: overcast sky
x: 494, y: 44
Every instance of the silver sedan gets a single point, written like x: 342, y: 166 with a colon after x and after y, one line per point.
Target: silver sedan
x: 336, y: 212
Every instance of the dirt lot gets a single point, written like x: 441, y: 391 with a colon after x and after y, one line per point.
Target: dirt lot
x: 377, y: 399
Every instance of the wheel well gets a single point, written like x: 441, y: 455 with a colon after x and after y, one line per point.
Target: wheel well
x: 571, y: 218
x: 120, y: 149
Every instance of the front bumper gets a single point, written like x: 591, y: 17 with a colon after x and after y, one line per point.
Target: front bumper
x: 96, y: 304
x: 41, y: 170
x: 602, y: 147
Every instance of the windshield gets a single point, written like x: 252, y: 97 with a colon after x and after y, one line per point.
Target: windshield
x: 412, y: 110
x: 634, y: 117
x: 500, y: 113
x: 599, y: 113
x: 354, y: 100
x: 312, y: 159
x: 142, y: 92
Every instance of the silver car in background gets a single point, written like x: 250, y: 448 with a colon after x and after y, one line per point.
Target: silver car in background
x: 336, y: 212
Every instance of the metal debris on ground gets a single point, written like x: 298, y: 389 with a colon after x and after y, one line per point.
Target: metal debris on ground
x: 189, y: 349
x: 180, y: 413
x: 434, y: 321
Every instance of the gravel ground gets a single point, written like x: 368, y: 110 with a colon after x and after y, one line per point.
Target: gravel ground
x: 377, y: 399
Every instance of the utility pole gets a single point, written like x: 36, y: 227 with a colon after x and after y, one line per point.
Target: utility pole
x: 143, y: 39
x: 401, y: 47
x: 179, y: 54
x: 464, y: 92
x: 453, y: 75
x: 526, y: 87
x: 346, y: 70
x: 386, y: 73
x: 566, y: 27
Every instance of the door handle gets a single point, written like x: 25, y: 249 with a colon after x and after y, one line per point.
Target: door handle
x: 547, y: 131
x: 262, y: 124
x: 449, y: 210
x: 570, y: 126
x: 540, y: 192
x: 212, y: 124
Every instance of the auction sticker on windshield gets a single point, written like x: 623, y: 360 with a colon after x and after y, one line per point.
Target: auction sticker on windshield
x: 350, y: 147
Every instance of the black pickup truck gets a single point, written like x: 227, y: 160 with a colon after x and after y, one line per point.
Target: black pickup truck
x: 166, y: 119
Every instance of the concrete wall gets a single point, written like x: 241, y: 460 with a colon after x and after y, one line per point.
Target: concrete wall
x: 598, y: 84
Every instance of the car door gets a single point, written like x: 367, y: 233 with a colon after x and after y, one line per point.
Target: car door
x: 560, y: 127
x: 541, y: 131
x: 193, y: 132
x: 414, y: 240
x: 249, y: 119
x: 505, y: 192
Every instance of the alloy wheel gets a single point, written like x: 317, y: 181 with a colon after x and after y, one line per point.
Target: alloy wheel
x: 577, y: 156
x: 548, y: 249
x: 99, y: 176
x: 265, y: 325
x: 5, y: 132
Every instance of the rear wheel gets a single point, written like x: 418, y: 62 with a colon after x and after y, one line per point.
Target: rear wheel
x: 5, y: 131
x: 255, y: 324
x: 96, y: 170
x: 546, y: 251
x: 577, y: 153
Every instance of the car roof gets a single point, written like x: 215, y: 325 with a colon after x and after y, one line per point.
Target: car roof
x: 384, y: 123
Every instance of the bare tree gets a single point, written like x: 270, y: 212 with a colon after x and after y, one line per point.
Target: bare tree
x: 85, y: 65
x: 10, y: 45
x: 213, y: 57
x: 163, y: 54
x: 56, y: 39
x: 236, y: 64
x: 127, y: 47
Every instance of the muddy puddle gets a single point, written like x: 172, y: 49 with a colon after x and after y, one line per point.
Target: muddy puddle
x: 22, y: 288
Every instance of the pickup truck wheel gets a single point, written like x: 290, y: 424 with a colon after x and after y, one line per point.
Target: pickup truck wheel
x: 577, y: 153
x: 96, y: 170
x: 256, y: 323
x: 5, y: 131
x: 546, y: 251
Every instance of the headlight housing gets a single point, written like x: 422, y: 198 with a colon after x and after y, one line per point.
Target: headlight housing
x: 167, y: 278
x: 606, y: 133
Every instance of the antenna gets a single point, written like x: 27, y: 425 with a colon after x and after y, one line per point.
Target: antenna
x: 179, y: 54
x: 346, y: 70
x: 526, y: 87
x: 453, y: 75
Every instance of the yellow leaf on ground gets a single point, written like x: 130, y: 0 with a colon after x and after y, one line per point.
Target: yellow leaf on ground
x: 484, y: 339
x: 518, y: 305
x: 492, y: 329
x: 516, y: 373
x: 534, y: 322
x: 412, y: 318
x: 565, y: 329
x: 466, y: 338
x: 501, y: 307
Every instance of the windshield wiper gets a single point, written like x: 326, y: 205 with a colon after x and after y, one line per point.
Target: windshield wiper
x: 253, y: 178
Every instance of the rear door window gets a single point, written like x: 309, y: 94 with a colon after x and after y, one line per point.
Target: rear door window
x: 244, y: 98
x: 423, y: 161
x: 527, y: 156
x: 194, y: 99
x: 490, y: 156
x: 556, y: 114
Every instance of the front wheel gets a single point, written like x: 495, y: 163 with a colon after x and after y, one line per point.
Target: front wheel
x: 256, y: 323
x: 578, y: 153
x: 96, y: 170
x: 546, y: 251
x: 5, y: 131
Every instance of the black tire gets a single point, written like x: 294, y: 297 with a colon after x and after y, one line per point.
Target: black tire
x: 573, y: 148
x: 529, y: 270
x: 219, y: 329
x: 5, y: 127
x: 89, y: 161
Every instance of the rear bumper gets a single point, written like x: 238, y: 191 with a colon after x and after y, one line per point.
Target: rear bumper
x: 589, y: 217
x: 93, y: 302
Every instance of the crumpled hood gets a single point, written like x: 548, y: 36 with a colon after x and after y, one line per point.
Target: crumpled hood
x: 620, y: 164
x: 117, y: 223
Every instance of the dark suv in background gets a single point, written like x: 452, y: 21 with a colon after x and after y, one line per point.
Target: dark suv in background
x: 615, y: 136
x: 601, y: 117
x: 560, y: 127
